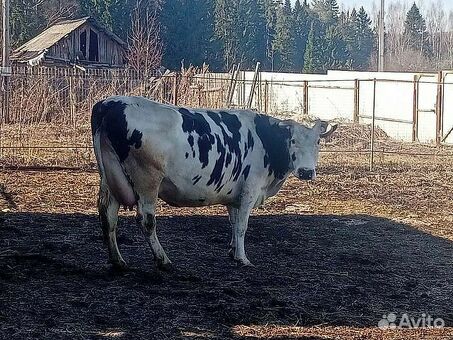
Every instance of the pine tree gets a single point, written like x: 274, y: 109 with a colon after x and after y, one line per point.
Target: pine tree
x: 326, y: 10
x: 30, y: 17
x: 24, y: 21
x: 270, y: 13
x: 359, y: 38
x: 187, y: 33
x: 337, y: 56
x: 239, y: 27
x: 283, y: 43
x: 330, y: 50
x: 113, y: 14
x: 226, y: 30
x: 315, y: 52
x: 415, y: 31
x: 252, y: 42
x: 365, y: 40
x: 302, y: 24
x: 347, y: 26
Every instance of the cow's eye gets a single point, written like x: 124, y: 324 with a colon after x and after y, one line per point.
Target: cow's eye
x: 293, y: 141
x: 319, y: 140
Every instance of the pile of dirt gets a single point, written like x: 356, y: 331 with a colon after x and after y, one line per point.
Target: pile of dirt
x: 349, y: 135
x: 355, y: 136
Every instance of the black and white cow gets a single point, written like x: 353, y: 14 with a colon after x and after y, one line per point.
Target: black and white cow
x: 193, y: 157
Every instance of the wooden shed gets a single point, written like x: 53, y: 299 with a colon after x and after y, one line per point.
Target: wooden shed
x: 82, y: 41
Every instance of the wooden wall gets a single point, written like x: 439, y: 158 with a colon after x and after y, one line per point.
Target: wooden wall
x: 109, y: 51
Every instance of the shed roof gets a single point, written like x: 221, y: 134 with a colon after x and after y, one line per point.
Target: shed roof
x: 54, y: 34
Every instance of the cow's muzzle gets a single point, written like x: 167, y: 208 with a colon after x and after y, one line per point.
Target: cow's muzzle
x: 306, y: 174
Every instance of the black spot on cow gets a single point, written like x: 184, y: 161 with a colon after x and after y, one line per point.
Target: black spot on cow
x: 230, y: 127
x: 250, y: 140
x: 110, y: 117
x: 190, y: 140
x: 187, y: 155
x: 194, y: 122
x: 249, y: 144
x: 196, y: 179
x: 293, y: 156
x: 228, y: 159
x: 136, y: 139
x: 97, y: 115
x: 204, y: 146
x: 275, y: 141
x: 246, y: 171
x: 217, y: 174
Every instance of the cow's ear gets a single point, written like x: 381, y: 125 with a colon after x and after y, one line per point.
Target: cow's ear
x: 326, y: 132
x: 287, y: 124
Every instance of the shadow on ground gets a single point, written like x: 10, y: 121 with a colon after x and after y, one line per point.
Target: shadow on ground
x: 333, y: 270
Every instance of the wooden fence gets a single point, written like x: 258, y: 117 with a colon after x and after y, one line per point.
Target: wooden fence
x: 49, y: 107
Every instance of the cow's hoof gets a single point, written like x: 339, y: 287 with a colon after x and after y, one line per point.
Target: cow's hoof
x: 166, y: 266
x: 244, y: 262
x: 119, y: 266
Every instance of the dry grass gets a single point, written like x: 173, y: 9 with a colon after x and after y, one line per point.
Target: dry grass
x: 349, y: 333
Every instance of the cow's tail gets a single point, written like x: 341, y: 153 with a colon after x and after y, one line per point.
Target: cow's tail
x: 114, y: 179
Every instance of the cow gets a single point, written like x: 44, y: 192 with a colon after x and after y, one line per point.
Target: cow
x: 194, y: 157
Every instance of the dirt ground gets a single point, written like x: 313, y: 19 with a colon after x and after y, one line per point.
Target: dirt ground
x: 331, y: 258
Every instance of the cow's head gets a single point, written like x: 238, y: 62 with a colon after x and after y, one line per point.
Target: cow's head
x: 304, y: 146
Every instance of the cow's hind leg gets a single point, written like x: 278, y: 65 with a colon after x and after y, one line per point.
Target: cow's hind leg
x: 108, y: 208
x: 148, y: 221
x: 239, y: 221
x: 233, y: 215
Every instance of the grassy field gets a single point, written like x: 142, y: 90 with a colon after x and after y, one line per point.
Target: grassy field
x: 331, y: 258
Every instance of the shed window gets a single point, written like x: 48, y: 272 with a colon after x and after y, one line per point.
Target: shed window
x: 93, y: 52
x: 83, y: 44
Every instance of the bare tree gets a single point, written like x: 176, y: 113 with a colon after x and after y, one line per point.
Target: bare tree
x: 145, y: 46
x: 395, y: 40
x: 449, y: 41
x: 57, y: 10
x: 436, y: 22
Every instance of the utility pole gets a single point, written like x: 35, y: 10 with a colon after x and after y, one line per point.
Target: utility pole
x: 6, y: 68
x: 381, y: 38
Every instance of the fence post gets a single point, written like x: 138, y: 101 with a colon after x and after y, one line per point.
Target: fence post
x: 305, y: 98
x: 439, y: 106
x: 71, y: 100
x: 415, y: 110
x: 6, y: 66
x: 266, y: 96
x: 356, y: 100
x: 373, y: 118
x: 253, y: 86
x: 175, y: 89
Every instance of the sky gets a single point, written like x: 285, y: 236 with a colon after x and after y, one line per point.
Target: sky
x: 368, y: 4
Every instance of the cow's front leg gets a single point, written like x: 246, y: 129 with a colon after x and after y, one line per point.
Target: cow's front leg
x: 148, y: 222
x: 108, y: 208
x: 240, y: 228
